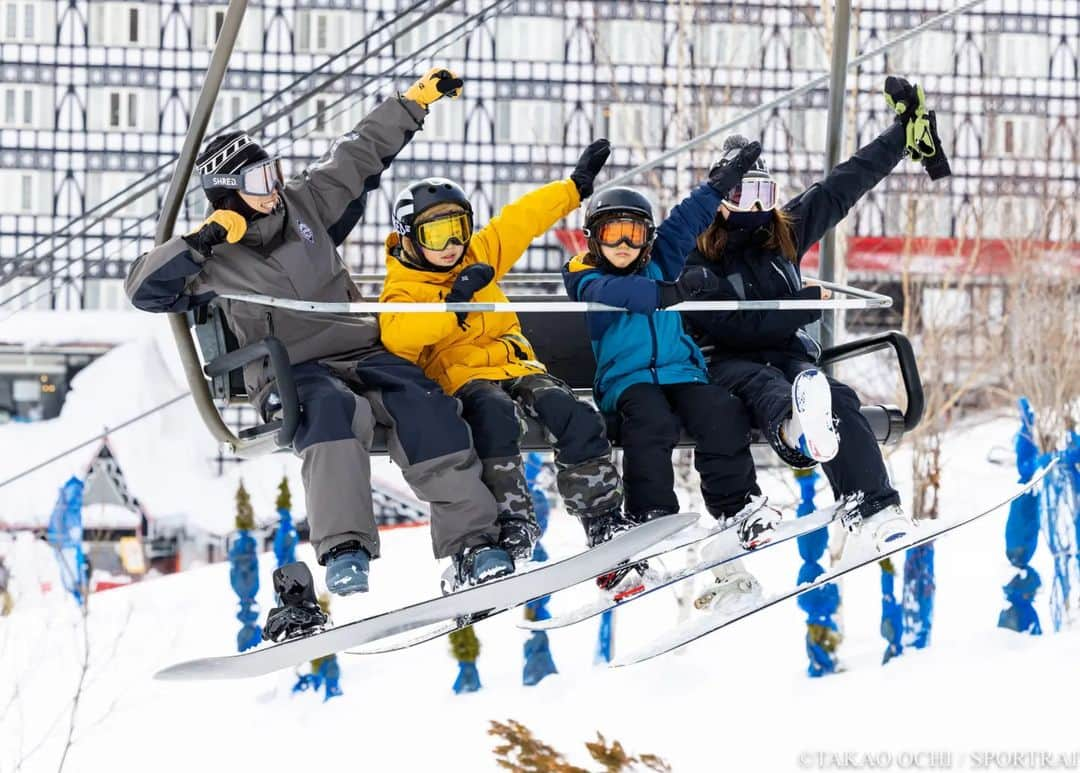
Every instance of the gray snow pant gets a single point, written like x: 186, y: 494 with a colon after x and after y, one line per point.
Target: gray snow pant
x: 585, y: 475
x: 341, y: 401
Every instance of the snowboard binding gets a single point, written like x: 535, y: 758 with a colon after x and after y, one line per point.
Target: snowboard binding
x: 299, y: 613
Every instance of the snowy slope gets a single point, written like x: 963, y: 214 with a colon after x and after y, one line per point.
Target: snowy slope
x: 738, y: 700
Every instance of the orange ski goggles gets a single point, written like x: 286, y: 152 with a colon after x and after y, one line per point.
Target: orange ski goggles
x: 635, y: 233
x: 437, y: 234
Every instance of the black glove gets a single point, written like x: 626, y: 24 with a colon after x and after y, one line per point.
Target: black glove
x: 726, y: 173
x: 469, y: 281
x: 589, y: 165
x: 921, y: 140
x: 936, y: 165
x: 692, y: 282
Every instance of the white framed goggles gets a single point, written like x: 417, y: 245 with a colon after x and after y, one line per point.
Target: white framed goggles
x: 750, y: 191
x: 259, y: 179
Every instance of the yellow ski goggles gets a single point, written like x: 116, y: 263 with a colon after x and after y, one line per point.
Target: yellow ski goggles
x: 437, y: 234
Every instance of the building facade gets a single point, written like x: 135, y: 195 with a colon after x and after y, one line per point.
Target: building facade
x: 95, y: 98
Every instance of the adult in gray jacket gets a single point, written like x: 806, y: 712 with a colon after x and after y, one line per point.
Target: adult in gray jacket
x: 273, y: 237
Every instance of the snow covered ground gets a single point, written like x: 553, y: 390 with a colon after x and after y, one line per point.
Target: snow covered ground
x: 739, y: 700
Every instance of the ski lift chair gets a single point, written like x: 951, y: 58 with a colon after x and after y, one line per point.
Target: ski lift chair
x: 561, y: 342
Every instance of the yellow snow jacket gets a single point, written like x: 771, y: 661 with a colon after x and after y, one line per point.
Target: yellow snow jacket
x: 491, y: 346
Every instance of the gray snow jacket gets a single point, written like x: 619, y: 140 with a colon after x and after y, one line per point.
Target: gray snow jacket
x: 291, y: 253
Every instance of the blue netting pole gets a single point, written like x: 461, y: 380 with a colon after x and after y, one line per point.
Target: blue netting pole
x: 918, y: 595
x: 538, y: 660
x: 892, y: 618
x: 1059, y: 503
x: 1022, y: 535
x: 603, y: 640
x: 286, y: 537
x: 822, y: 632
x: 244, y: 577
x: 65, y: 535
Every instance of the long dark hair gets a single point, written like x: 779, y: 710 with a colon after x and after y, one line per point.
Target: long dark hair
x: 712, y: 240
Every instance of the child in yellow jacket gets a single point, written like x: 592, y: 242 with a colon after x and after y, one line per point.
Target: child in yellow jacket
x: 483, y: 359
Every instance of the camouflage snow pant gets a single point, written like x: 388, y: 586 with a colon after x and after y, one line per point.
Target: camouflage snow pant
x: 586, y: 477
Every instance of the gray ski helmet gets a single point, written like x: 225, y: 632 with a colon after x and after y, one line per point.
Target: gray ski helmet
x: 619, y: 202
x: 424, y: 194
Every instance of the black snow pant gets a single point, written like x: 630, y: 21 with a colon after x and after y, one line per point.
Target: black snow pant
x: 765, y: 388
x: 585, y: 475
x: 651, y: 417
x: 341, y: 402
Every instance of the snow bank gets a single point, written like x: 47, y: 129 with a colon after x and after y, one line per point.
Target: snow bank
x: 738, y: 700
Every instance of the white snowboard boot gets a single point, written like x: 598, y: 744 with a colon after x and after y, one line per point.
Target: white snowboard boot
x: 733, y: 589
x: 811, y: 429
x: 754, y: 523
x: 878, y: 532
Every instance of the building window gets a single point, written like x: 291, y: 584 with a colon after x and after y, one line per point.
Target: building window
x: 1019, y: 55
x: 20, y: 21
x: 447, y: 123
x: 30, y: 191
x: 102, y: 186
x: 123, y: 110
x: 530, y: 38
x: 122, y: 24
x: 529, y: 121
x: 1021, y: 136
x: 734, y: 46
x: 629, y: 42
x: 632, y: 125
x: 932, y: 52
x: 229, y: 107
x: 808, y: 129
x: 320, y: 32
x: 19, y: 103
x: 434, y: 33
x: 807, y: 49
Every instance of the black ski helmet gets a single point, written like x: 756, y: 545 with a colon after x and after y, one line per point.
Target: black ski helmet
x: 613, y: 203
x: 419, y: 197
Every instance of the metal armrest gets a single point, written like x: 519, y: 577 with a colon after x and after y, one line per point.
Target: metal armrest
x: 282, y: 369
x: 909, y: 368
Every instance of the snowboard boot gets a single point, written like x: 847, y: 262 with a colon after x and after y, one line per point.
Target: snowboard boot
x: 733, y: 589
x: 518, y: 536
x: 876, y: 532
x: 811, y: 429
x: 754, y: 523
x: 347, y: 569
x: 628, y: 579
x: 475, y: 565
x: 299, y: 613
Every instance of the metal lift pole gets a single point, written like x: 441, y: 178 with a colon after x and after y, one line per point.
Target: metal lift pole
x: 174, y: 198
x: 833, y: 147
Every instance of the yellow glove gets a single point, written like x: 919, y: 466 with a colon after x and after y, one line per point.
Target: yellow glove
x: 223, y: 225
x: 439, y: 82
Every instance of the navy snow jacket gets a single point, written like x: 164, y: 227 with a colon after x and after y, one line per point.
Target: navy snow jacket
x: 639, y: 345
x: 750, y: 271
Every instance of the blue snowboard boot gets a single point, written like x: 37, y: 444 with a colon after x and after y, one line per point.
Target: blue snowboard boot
x: 347, y: 569
x: 475, y: 565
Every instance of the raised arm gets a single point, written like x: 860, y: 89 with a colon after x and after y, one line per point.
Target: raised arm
x: 351, y: 168
x: 506, y: 237
x: 825, y: 203
x: 677, y: 235
x: 504, y: 240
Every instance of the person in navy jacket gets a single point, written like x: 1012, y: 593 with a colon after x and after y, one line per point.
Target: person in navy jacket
x: 756, y: 247
x: 649, y: 372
